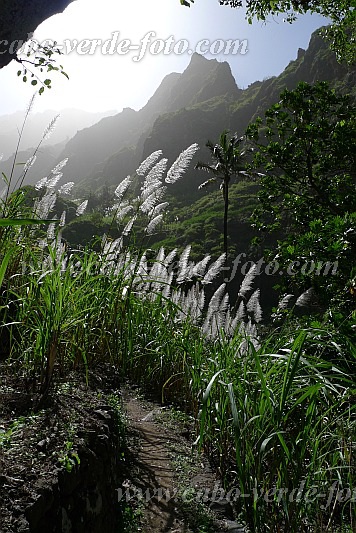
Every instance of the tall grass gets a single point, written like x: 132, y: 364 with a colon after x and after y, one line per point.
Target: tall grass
x: 281, y: 424
x: 275, y: 413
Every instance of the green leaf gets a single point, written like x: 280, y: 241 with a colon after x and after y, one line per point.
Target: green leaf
x: 6, y: 222
x: 211, y: 383
x: 4, y: 264
x: 34, y: 82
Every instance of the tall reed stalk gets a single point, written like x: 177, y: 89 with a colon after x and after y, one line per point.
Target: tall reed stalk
x: 276, y: 414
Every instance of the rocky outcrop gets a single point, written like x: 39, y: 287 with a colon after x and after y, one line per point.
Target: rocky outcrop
x: 19, y: 19
x: 83, y: 500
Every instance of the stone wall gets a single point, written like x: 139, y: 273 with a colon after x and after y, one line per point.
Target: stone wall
x: 85, y: 499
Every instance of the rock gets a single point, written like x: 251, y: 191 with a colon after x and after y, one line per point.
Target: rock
x: 234, y: 527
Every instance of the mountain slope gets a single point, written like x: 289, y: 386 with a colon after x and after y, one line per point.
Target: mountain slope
x: 69, y: 122
x: 194, y: 106
x: 206, y: 120
x: 88, y: 150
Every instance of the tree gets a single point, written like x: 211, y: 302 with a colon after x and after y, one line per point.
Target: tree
x: 342, y: 13
x: 227, y: 163
x: 307, y: 148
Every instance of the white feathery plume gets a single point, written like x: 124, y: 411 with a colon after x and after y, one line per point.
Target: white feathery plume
x: 60, y: 165
x: 111, y: 250
x: 247, y: 282
x: 40, y: 184
x: 168, y: 286
x: 46, y: 204
x: 30, y: 104
x: 148, y: 162
x: 152, y: 199
x: 248, y: 329
x: 52, y: 182
x: 158, y: 276
x: 224, y: 303
x: 30, y: 161
x: 233, y: 325
x: 142, y: 267
x: 66, y: 188
x: 284, y: 302
x: 251, y: 332
x: 104, y: 241
x: 159, y: 209
x: 1, y: 157
x: 183, y: 264
x: 241, y: 311
x: 122, y: 187
x: 220, y: 315
x: 170, y: 257
x: 62, y: 220
x: 142, y: 271
x: 253, y: 306
x: 155, y: 175
x: 153, y: 224
x: 201, y: 299
x: 123, y: 212
x: 147, y: 191
x: 158, y: 262
x: 81, y: 208
x: 118, y: 205
x: 214, y: 304
x: 229, y: 331
x: 200, y: 267
x: 129, y: 225
x: 51, y: 232
x: 195, y: 302
x: 214, y: 269
x: 306, y: 299
x: 50, y: 128
x: 160, y: 256
x: 176, y: 297
x: 60, y: 248
x: 181, y: 164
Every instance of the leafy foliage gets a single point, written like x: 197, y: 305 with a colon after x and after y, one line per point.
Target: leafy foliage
x: 307, y: 146
x: 276, y: 411
x: 41, y: 58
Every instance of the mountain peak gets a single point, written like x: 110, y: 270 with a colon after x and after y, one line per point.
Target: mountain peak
x: 198, y: 58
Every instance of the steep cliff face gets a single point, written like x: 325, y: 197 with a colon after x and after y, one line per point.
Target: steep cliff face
x: 317, y: 63
x: 102, y: 150
x: 194, y: 106
x: 206, y: 119
x: 202, y: 79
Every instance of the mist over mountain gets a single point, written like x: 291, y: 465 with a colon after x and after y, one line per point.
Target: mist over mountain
x: 121, y: 138
x: 69, y: 122
x: 194, y: 106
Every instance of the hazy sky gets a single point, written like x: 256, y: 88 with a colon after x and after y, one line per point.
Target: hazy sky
x: 100, y: 81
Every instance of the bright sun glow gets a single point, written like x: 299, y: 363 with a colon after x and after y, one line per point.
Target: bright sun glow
x: 101, y: 81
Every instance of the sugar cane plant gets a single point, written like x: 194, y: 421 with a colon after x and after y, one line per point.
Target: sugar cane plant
x: 275, y: 412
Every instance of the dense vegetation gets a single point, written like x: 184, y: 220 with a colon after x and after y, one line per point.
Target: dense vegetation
x: 273, y: 396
